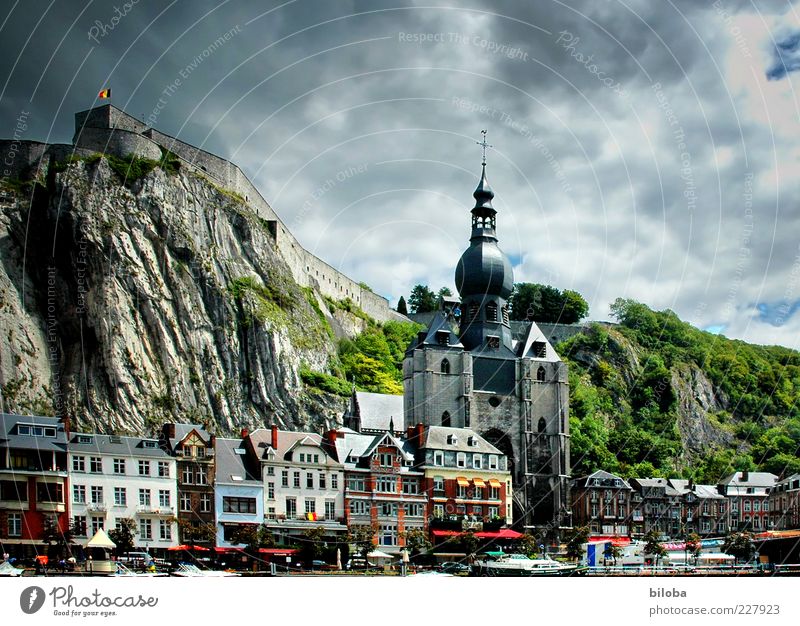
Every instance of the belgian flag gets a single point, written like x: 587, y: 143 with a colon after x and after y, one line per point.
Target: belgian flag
x: 105, y: 94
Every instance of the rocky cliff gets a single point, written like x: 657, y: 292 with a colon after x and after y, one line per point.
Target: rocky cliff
x: 130, y: 295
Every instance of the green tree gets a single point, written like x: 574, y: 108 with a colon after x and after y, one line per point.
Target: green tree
x: 653, y: 545
x: 196, y: 533
x: 444, y: 292
x: 416, y: 541
x: 362, y: 538
x: 253, y: 537
x: 123, y: 535
x: 401, y: 306
x: 694, y: 545
x: 545, y: 303
x: 739, y: 545
x: 575, y: 539
x: 612, y: 552
x: 527, y: 544
x: 469, y: 541
x: 314, y: 545
x: 422, y: 299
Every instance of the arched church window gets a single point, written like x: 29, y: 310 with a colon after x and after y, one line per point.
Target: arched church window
x: 542, y: 425
x: 491, y: 312
x: 540, y: 373
x: 446, y: 418
x: 445, y: 366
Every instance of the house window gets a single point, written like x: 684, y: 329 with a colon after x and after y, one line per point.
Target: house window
x: 187, y: 476
x: 493, y: 461
x: 205, y: 503
x: 79, y: 524
x: 330, y: 509
x: 145, y: 529
x: 165, y: 530
x: 144, y: 497
x: 388, y: 535
x: 119, y: 466
x: 413, y: 510
x: 186, y: 502
x: 78, y: 464
x: 747, y: 506
x: 386, y: 460
x: 493, y: 511
x: 438, y: 510
x: 163, y: 469
x: 291, y: 508
x: 540, y: 374
x: 97, y: 524
x: 270, y: 471
x: 446, y: 418
x: 309, y: 480
x: 386, y: 484
x: 477, y: 510
x: 202, y: 478
x: 477, y: 494
x: 462, y: 492
x: 79, y: 494
x: 14, y: 524
x: 445, y: 367
x: 494, y: 493
x: 270, y: 491
x: 438, y: 484
x: 355, y: 483
x: 120, y: 496
x: 477, y: 461
x: 461, y: 459
x: 297, y: 480
x: 358, y: 507
x: 303, y: 458
x: 164, y: 499
x: 311, y: 505
x: 238, y: 505
x: 97, y: 495
x: 96, y: 465
x: 284, y: 478
x: 410, y: 486
x: 322, y: 481
x: 438, y: 458
x: 334, y: 481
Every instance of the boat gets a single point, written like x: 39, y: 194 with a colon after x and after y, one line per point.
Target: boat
x: 123, y: 570
x: 520, y: 565
x: 6, y: 569
x: 189, y: 570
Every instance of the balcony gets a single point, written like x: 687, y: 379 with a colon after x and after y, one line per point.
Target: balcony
x: 146, y: 509
x: 14, y: 505
x: 96, y: 507
x: 51, y: 507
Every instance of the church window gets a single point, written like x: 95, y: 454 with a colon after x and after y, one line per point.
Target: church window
x: 493, y: 342
x: 474, y: 309
x: 494, y: 401
x: 539, y: 349
x: 442, y: 337
x: 491, y: 312
x: 542, y: 425
x: 540, y: 374
x: 445, y: 366
x: 505, y: 314
x: 446, y: 418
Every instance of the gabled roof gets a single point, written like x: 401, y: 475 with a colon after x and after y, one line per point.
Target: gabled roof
x: 436, y: 437
x: 182, y: 431
x: 231, y: 466
x: 754, y: 479
x: 359, y: 447
x: 261, y: 440
x: 111, y: 444
x: 681, y: 485
x: 535, y: 335
x: 603, y: 476
x: 376, y: 410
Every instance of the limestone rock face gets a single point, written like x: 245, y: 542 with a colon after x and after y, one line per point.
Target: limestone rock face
x: 696, y: 399
x: 127, y: 303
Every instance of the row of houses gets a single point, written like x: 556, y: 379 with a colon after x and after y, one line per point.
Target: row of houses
x: 186, y: 486
x: 611, y: 506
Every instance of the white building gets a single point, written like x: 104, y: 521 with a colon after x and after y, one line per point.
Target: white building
x: 303, y: 484
x: 114, y: 478
x: 238, y: 492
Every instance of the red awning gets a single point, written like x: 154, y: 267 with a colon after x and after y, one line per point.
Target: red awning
x: 616, y: 541
x: 187, y: 547
x: 503, y: 533
x: 278, y: 551
x: 227, y: 549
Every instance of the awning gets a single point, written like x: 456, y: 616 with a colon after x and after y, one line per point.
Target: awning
x: 503, y: 533
x: 218, y: 549
x: 478, y: 482
x: 462, y: 482
x: 101, y: 540
x: 278, y: 551
x: 493, y: 482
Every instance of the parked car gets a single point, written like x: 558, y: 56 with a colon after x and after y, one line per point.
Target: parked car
x: 453, y: 567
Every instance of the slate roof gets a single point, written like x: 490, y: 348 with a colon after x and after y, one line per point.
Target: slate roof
x: 376, y: 410
x: 110, y: 444
x: 435, y: 438
x: 230, y: 464
x: 586, y: 481
x: 360, y: 446
x: 182, y: 430
x: 754, y: 479
x: 261, y: 440
x: 9, y: 438
x: 669, y: 490
x: 702, y: 491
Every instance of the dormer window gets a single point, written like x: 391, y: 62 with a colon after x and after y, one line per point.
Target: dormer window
x: 149, y: 443
x: 443, y: 337
x: 84, y: 439
x: 33, y: 430
x: 452, y: 440
x: 471, y: 441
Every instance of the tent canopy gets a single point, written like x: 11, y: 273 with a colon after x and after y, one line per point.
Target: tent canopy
x: 101, y: 540
x: 377, y: 554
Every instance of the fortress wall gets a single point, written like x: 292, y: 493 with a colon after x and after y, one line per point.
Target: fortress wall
x: 17, y: 158
x: 120, y: 143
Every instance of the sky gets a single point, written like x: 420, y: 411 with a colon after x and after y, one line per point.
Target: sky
x: 639, y: 149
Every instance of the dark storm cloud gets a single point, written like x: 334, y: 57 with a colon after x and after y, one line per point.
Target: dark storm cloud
x: 595, y: 188
x: 785, y: 56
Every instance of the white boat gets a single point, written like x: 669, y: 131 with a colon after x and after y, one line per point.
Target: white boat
x: 189, y: 570
x: 124, y: 571
x: 521, y: 565
x: 6, y: 569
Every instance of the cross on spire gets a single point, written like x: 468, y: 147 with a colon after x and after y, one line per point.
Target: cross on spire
x: 484, y: 145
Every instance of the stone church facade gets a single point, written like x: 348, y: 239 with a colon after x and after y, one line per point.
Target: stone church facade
x: 469, y: 370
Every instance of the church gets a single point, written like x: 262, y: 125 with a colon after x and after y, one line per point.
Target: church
x: 469, y: 369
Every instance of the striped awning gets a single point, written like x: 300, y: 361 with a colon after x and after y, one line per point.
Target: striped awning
x: 478, y: 482
x: 462, y: 482
x: 493, y: 482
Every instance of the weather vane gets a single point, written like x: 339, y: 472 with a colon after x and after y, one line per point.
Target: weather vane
x: 484, y: 145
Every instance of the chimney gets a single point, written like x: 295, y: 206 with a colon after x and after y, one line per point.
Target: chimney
x: 691, y: 484
x: 65, y: 421
x: 169, y: 431
x: 331, y: 436
x: 274, y: 436
x: 420, y: 432
x: 745, y: 476
x: 245, y: 433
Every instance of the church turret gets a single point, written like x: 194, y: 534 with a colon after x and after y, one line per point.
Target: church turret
x: 484, y: 277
